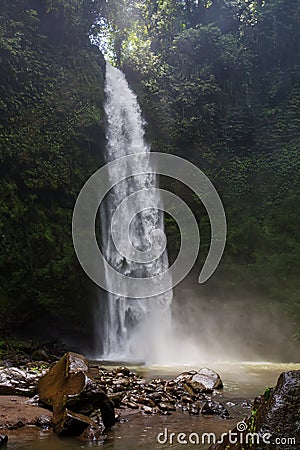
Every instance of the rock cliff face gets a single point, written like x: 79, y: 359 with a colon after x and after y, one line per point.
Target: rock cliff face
x: 275, y: 419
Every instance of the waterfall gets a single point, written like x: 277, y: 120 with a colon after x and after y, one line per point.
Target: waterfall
x: 132, y: 329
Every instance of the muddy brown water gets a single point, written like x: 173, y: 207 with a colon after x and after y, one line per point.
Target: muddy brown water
x: 242, y: 382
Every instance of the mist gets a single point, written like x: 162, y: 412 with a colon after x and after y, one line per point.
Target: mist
x: 221, y: 328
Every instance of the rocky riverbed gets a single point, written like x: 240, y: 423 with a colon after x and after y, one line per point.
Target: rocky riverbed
x: 78, y: 409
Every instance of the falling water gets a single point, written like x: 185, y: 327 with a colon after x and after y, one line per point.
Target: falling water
x: 133, y: 329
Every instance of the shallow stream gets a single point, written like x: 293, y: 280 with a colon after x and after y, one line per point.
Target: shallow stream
x: 242, y: 382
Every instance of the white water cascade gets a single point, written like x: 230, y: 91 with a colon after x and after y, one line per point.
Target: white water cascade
x: 133, y: 329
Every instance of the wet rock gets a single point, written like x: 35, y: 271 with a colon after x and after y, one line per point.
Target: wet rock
x: 165, y: 413
x: 96, y: 417
x: 43, y: 421
x: 93, y: 434
x: 186, y: 399
x: 166, y: 407
x: 141, y: 382
x: 189, y: 388
x: 40, y: 355
x: 275, y: 415
x: 14, y: 381
x: 15, y: 425
x: 230, y: 404
x: 116, y: 399
x: 146, y: 401
x: 3, y: 440
x: 245, y: 404
x: 123, y: 420
x: 68, y: 385
x: 155, y: 397
x: 148, y: 410
x: 132, y: 405
x: 71, y: 424
x: 185, y: 376
x: 278, y: 411
x: 123, y: 371
x: 34, y: 400
x: 206, y: 380
x: 199, y: 388
x: 216, y: 409
x: 194, y: 410
x: 122, y: 382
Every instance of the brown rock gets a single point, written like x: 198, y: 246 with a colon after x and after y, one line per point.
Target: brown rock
x: 71, y: 424
x: 166, y: 407
x: 68, y: 385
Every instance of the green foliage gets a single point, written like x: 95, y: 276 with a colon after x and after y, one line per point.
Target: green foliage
x: 52, y: 135
x: 219, y: 85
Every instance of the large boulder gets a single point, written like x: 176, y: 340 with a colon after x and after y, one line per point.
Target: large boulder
x: 275, y: 419
x: 69, y: 388
x: 278, y: 411
x: 207, y: 379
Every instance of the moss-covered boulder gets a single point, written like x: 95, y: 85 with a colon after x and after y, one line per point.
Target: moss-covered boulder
x: 274, y: 422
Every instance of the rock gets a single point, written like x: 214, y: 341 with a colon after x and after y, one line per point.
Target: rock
x: 123, y: 371
x: 40, y: 355
x: 189, y: 388
x: 199, y: 388
x: 15, y: 381
x: 123, y: 420
x: 116, y: 399
x: 206, y: 380
x: 34, y: 400
x: 147, y: 410
x: 186, y: 399
x: 155, y: 397
x: 275, y: 416
x: 185, y: 376
x: 166, y: 407
x: 93, y: 434
x: 71, y: 424
x: 132, y: 405
x: 216, y: 409
x: 146, y: 401
x: 43, y: 421
x: 194, y: 409
x: 278, y: 411
x: 19, y: 423
x: 3, y: 440
x: 68, y: 385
